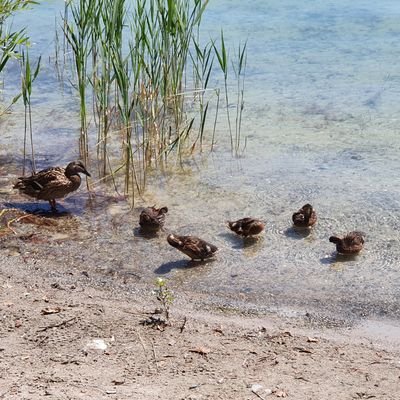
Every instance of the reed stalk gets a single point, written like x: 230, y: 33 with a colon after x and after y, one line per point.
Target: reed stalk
x: 27, y: 78
x: 222, y: 57
x: 78, y: 33
x: 240, y: 72
x: 202, y: 66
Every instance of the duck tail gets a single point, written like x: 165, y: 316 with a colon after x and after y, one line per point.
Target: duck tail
x: 335, y: 239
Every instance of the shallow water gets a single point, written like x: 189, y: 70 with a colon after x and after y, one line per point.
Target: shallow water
x: 321, y: 117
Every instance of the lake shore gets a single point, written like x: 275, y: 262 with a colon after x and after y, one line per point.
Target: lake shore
x: 70, y: 332
x: 278, y: 317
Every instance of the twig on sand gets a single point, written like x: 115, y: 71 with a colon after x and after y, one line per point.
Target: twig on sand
x: 44, y: 328
x: 183, y: 324
x: 259, y: 396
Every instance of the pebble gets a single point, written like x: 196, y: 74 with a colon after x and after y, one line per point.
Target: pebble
x: 96, y: 344
x: 256, y: 388
x: 260, y: 390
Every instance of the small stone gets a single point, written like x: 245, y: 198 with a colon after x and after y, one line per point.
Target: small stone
x: 96, y: 344
x: 193, y: 387
x: 255, y: 388
x: 260, y: 390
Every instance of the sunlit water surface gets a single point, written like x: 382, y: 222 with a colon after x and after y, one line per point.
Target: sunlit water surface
x: 322, y: 122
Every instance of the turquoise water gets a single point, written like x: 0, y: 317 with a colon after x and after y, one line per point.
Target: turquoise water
x: 322, y: 126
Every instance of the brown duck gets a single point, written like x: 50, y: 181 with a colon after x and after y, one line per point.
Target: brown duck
x: 52, y: 183
x: 192, y: 246
x: 306, y: 217
x: 152, y: 219
x: 246, y: 226
x: 352, y: 243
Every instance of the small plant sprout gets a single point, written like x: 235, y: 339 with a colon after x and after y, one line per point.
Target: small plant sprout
x: 164, y: 295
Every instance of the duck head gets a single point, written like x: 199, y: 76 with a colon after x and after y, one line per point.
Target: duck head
x: 75, y: 168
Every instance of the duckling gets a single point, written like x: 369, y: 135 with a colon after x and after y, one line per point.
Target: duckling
x: 306, y: 217
x: 152, y: 219
x: 192, y: 246
x: 246, y: 226
x: 352, y: 243
x: 52, y: 183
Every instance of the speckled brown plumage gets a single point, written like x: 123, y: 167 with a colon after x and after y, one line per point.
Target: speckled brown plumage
x: 192, y: 246
x: 246, y: 226
x: 152, y: 219
x: 306, y: 217
x: 352, y: 243
x: 52, y: 183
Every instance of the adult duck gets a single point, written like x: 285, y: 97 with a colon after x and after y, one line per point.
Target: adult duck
x: 246, y: 226
x: 351, y: 243
x: 192, y: 246
x: 306, y: 217
x: 152, y: 219
x: 52, y: 183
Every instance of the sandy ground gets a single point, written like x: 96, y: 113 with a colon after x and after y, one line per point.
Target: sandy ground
x: 69, y: 333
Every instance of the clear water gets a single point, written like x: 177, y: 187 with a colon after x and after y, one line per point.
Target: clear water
x: 322, y: 121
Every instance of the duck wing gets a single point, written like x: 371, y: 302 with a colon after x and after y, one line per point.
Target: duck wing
x: 33, y: 185
x: 353, y: 239
x: 152, y: 218
x: 192, y: 246
x: 198, y: 247
x: 48, y: 184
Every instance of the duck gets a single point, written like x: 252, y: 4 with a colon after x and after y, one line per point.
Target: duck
x: 351, y: 243
x: 52, y: 183
x: 306, y: 217
x: 192, y: 246
x: 152, y: 219
x: 246, y: 226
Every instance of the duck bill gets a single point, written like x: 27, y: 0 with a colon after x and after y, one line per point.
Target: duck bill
x: 86, y: 173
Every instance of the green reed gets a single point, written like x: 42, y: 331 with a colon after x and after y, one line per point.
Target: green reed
x: 106, y: 47
x: 240, y: 72
x: 202, y: 66
x: 78, y: 33
x: 27, y: 78
x: 11, y: 40
x: 136, y: 57
x: 239, y: 68
x: 222, y: 56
